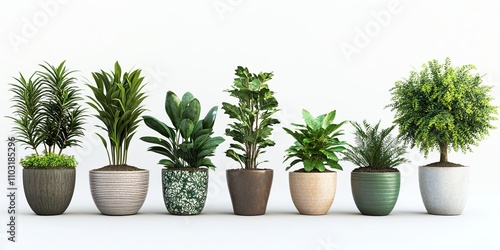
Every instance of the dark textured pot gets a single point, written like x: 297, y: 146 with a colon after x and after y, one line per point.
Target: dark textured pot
x: 375, y: 193
x: 185, y: 190
x: 49, y: 191
x: 119, y: 192
x: 249, y: 190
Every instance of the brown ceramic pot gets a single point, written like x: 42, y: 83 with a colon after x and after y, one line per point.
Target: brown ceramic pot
x: 49, y: 191
x: 249, y: 190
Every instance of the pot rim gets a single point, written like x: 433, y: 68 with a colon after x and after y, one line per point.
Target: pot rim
x: 437, y: 167
x: 119, y: 172
x: 380, y: 173
x: 250, y: 170
x: 185, y: 169
x: 49, y: 169
x: 311, y: 173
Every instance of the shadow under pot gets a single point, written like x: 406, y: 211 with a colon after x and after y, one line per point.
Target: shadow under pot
x: 313, y: 192
x: 49, y: 191
x: 249, y: 190
x: 375, y: 193
x: 184, y: 190
x: 119, y: 192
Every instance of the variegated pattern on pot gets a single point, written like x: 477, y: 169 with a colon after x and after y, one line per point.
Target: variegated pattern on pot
x: 185, y: 191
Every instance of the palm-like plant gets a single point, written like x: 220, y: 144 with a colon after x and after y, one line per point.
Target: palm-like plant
x: 64, y: 116
x: 189, y: 142
x: 47, y: 111
x: 375, y: 148
x: 118, y: 101
x: 317, y: 143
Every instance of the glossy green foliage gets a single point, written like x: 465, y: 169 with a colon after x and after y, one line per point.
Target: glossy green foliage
x: 47, y: 109
x: 188, y: 142
x: 375, y: 148
x: 316, y: 143
x: 118, y: 102
x: 48, y: 160
x: 443, y: 105
x: 254, y: 117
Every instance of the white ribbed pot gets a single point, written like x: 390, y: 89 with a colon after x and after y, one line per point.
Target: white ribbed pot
x: 313, y: 193
x: 444, y: 190
x: 119, y: 192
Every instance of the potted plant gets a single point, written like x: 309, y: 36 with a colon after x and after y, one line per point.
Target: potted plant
x: 250, y: 186
x: 187, y: 147
x: 118, y: 188
x: 375, y: 183
x: 443, y: 107
x: 48, y: 114
x: 316, y: 146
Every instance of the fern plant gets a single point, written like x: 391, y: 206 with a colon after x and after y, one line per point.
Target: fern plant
x: 48, y: 114
x: 189, y: 143
x: 118, y: 102
x: 254, y: 117
x: 375, y: 148
x: 316, y: 142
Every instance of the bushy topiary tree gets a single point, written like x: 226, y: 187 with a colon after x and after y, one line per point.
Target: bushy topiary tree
x: 442, y: 106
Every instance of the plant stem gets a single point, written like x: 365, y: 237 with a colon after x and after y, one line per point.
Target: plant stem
x: 443, y: 149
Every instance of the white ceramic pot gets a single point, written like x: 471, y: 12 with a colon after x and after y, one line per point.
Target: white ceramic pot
x: 444, y: 190
x: 313, y: 193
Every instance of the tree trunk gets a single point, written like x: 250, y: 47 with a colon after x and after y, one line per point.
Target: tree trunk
x: 443, y: 149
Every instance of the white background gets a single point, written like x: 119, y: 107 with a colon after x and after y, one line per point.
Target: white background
x: 195, y: 46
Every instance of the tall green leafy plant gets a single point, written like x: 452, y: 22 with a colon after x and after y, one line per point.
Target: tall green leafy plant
x: 442, y: 106
x: 375, y: 148
x: 118, y: 102
x: 48, y: 114
x: 254, y: 117
x: 316, y: 142
x: 189, y: 142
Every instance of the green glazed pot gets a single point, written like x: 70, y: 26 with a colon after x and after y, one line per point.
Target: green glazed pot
x: 375, y: 193
x: 49, y: 191
x: 185, y: 190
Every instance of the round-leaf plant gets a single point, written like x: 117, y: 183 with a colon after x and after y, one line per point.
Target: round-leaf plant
x: 316, y: 142
x: 48, y: 114
x: 189, y: 143
x: 253, y: 114
x: 442, y: 106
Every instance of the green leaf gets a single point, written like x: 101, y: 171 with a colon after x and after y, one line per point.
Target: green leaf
x: 209, y: 120
x: 186, y: 127
x: 172, y: 104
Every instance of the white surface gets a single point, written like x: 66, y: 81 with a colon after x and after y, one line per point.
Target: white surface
x: 189, y: 45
